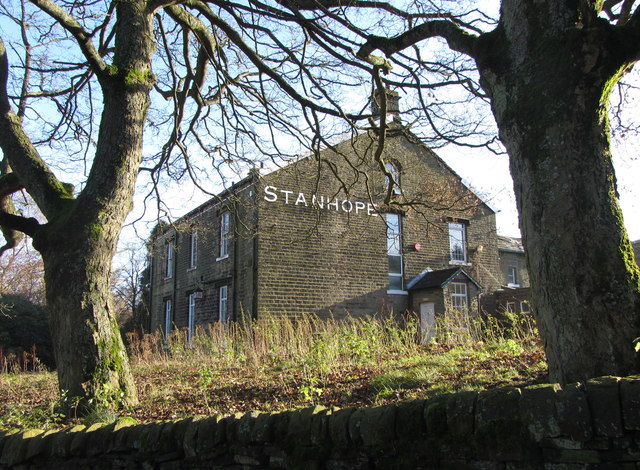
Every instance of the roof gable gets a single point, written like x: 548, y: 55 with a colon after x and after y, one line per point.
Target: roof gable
x: 439, y: 278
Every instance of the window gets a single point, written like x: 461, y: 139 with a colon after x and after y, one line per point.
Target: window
x: 193, y: 252
x: 395, y: 174
x: 223, y: 303
x: 512, y: 276
x: 167, y: 317
x: 511, y: 307
x: 192, y: 317
x: 168, y: 260
x: 394, y: 252
x: 224, y: 235
x: 457, y: 243
x: 525, y: 307
x: 458, y: 292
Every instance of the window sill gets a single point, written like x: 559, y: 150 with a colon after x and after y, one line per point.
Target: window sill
x: 459, y: 263
x: 513, y: 285
x: 397, y: 292
x: 222, y: 257
x: 191, y: 268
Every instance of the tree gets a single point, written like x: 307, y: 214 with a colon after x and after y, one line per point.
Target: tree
x: 548, y: 69
x: 129, y: 287
x: 240, y: 79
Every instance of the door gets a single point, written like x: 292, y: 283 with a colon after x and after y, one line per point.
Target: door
x: 427, y: 322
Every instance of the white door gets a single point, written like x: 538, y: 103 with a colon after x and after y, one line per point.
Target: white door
x: 427, y: 322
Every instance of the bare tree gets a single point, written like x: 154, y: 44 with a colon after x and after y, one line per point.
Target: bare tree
x: 21, y: 272
x: 548, y: 69
x: 81, y: 82
x: 129, y: 287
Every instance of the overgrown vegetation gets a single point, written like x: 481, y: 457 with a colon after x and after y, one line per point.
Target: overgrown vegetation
x: 281, y: 363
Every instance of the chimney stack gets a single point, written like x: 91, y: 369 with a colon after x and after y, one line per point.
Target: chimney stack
x: 393, y: 105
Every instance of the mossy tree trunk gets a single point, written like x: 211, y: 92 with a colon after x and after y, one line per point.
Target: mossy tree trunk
x: 79, y: 239
x: 549, y: 75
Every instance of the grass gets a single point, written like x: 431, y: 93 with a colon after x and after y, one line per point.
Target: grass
x: 281, y: 363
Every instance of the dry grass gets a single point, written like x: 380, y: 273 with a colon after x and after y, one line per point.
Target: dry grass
x: 281, y: 363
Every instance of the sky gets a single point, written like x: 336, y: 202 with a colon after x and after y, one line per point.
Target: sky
x: 489, y: 176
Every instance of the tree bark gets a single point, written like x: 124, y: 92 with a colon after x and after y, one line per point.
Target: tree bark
x: 93, y: 368
x: 549, y: 75
x: 79, y: 240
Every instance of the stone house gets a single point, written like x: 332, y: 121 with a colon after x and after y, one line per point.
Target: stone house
x: 330, y: 234
x: 513, y: 263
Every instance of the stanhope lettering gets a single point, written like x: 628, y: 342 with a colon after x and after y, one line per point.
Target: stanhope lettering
x: 273, y: 194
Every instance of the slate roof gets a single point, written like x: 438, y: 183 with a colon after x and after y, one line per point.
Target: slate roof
x: 439, y: 278
x: 510, y: 244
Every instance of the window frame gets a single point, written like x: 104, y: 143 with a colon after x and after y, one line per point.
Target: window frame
x: 223, y: 303
x: 512, y: 276
x: 453, y: 295
x: 193, y: 249
x: 461, y: 228
x: 169, y: 255
x: 394, y: 169
x: 526, y: 311
x: 168, y: 316
x: 191, y: 316
x: 394, y: 250
x: 225, y: 228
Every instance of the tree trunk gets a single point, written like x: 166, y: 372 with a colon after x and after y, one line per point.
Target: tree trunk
x: 93, y: 368
x: 549, y: 78
x: 79, y: 242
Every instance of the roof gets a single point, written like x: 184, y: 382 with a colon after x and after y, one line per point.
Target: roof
x: 439, y: 278
x: 513, y: 245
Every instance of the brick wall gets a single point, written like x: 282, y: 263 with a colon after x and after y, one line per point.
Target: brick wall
x: 518, y: 261
x: 289, y: 254
x: 211, y: 271
x: 335, y: 261
x: 591, y: 426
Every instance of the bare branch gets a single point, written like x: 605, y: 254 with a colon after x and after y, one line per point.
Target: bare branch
x: 82, y: 37
x: 22, y: 156
x: 457, y: 39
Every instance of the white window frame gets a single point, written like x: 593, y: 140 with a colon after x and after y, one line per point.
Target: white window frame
x: 510, y: 307
x: 168, y: 311
x: 394, y: 250
x: 193, y: 252
x: 525, y: 307
x: 512, y: 276
x: 191, y: 325
x: 223, y: 303
x: 459, y: 299
x: 168, y: 261
x: 457, y: 235
x: 225, y: 223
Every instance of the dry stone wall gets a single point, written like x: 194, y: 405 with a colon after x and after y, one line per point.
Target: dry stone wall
x: 591, y: 426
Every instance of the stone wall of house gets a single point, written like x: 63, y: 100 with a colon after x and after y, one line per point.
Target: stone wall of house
x: 514, y: 300
x: 211, y: 270
x: 588, y: 427
x: 333, y: 259
x: 519, y: 262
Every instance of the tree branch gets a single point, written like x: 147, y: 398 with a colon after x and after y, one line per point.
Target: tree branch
x: 257, y: 61
x: 22, y: 156
x: 82, y: 37
x: 12, y: 224
x: 458, y: 40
